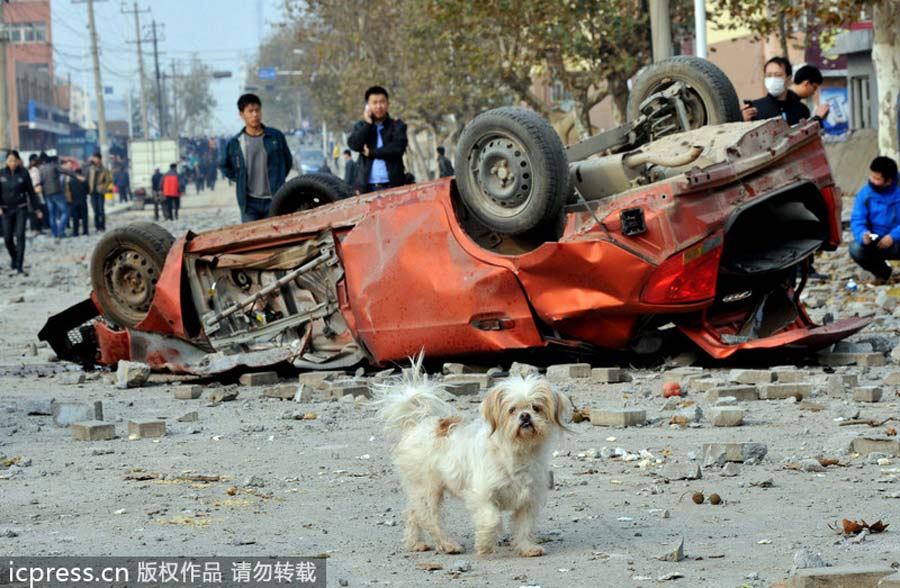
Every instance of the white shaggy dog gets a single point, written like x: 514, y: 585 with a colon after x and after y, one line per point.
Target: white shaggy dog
x: 500, y: 463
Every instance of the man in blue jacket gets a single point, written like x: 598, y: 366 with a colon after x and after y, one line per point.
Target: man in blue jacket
x: 257, y: 159
x: 875, y: 222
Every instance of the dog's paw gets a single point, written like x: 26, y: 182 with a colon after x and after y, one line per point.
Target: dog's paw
x: 531, y: 551
x: 420, y: 546
x: 451, y: 547
x: 484, y: 550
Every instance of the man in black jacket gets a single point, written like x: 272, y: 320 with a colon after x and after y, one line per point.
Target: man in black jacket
x: 382, y: 142
x: 780, y: 101
x: 76, y: 189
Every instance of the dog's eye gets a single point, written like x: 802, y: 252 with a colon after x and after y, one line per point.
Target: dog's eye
x: 535, y: 408
x: 512, y: 409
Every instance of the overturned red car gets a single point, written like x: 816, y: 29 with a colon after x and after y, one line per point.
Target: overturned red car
x: 680, y: 217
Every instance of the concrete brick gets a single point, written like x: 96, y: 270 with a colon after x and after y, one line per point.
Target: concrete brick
x: 93, y: 431
x: 66, y: 413
x: 259, y: 379
x: 281, y: 392
x: 893, y: 379
x: 146, y: 429
x: 340, y: 389
x: 681, y: 471
x: 320, y: 379
x: 726, y: 417
x: 750, y: 376
x: 871, y: 360
x: 459, y: 368
x: 606, y: 375
x: 705, y: 384
x: 188, y: 392
x: 620, y: 417
x: 740, y: 393
x: 876, y: 444
x: 132, y: 374
x: 867, y: 394
x: 719, y: 454
x: 840, y: 577
x: 463, y: 388
x: 892, y: 581
x: 223, y: 395
x: 782, y: 391
x: 790, y: 375
x: 566, y: 371
x: 484, y: 381
x: 189, y: 417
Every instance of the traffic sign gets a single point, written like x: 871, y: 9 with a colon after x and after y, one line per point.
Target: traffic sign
x: 266, y: 74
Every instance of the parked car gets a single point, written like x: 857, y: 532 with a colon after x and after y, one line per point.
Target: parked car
x: 680, y: 216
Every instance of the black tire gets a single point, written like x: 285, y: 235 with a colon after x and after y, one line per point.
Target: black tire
x: 512, y: 171
x: 307, y: 192
x: 125, y: 266
x: 716, y: 101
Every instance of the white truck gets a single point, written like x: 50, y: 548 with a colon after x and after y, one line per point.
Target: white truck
x: 144, y: 157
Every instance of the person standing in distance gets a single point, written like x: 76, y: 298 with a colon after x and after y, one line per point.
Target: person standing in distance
x: 445, y: 168
x: 257, y: 160
x: 382, y: 142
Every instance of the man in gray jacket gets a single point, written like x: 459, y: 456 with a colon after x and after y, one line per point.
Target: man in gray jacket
x: 54, y: 196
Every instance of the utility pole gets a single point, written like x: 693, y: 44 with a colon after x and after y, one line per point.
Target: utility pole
x: 145, y: 122
x: 159, y: 90
x: 98, y: 82
x: 661, y: 30
x: 175, y: 129
x: 700, y: 49
x: 4, y: 98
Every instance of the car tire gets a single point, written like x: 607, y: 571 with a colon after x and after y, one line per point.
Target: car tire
x: 511, y: 171
x: 307, y: 192
x: 712, y: 88
x: 125, y: 266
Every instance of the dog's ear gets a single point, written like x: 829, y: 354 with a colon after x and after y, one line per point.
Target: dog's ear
x: 492, y: 407
x: 561, y: 409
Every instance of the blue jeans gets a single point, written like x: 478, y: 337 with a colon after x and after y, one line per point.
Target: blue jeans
x: 872, y: 259
x: 255, y: 209
x: 98, y: 203
x: 58, y: 209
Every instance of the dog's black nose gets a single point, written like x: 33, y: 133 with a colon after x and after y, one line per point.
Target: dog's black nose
x: 525, y: 417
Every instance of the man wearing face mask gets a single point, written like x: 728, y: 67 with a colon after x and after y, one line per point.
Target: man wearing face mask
x: 875, y: 222
x: 779, y: 101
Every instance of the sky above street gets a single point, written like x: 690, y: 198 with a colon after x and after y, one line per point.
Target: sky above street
x: 223, y: 33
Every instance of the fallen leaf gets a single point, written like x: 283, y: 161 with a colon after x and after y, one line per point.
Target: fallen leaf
x: 679, y: 419
x: 891, y: 432
x: 878, y: 526
x: 429, y: 567
x: 852, y: 527
x: 828, y: 461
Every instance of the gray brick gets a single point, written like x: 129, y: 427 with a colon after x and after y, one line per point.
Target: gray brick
x: 705, y: 384
x: 93, y: 431
x: 621, y: 417
x: 840, y: 577
x: 281, y: 392
x: 338, y: 390
x: 606, y: 375
x: 188, y: 392
x: 566, y: 371
x: 740, y: 393
x: 319, y: 379
x: 463, y: 388
x: 66, y: 413
x: 259, y: 379
x: 681, y: 471
x: 893, y: 379
x: 726, y: 417
x: 876, y: 444
x: 871, y: 360
x: 750, y: 376
x: 867, y: 394
x: 484, y: 381
x: 459, y: 368
x: 790, y: 375
x: 719, y: 454
x: 146, y: 429
x: 782, y: 391
x: 189, y: 417
x: 132, y: 374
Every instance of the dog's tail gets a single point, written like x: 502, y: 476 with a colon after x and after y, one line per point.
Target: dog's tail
x: 403, y: 405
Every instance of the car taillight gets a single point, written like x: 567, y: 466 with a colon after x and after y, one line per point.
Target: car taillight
x: 689, y: 276
x: 832, y: 197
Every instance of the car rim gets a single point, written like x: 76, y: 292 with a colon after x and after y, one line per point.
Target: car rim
x: 131, y: 280
x: 693, y: 103
x: 499, y: 165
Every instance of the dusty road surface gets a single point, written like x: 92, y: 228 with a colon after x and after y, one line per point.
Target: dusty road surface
x: 280, y: 485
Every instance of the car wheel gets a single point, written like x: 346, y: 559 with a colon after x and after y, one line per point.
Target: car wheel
x: 512, y: 171
x: 125, y: 266
x: 307, y: 192
x: 710, y: 98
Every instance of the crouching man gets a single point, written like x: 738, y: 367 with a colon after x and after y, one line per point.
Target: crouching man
x: 875, y: 222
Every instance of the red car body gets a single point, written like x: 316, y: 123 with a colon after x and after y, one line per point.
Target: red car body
x: 412, y: 278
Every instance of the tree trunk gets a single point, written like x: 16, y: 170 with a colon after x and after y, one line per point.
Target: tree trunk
x: 416, y: 159
x: 886, y: 58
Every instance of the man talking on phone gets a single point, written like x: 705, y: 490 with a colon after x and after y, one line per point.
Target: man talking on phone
x: 382, y: 142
